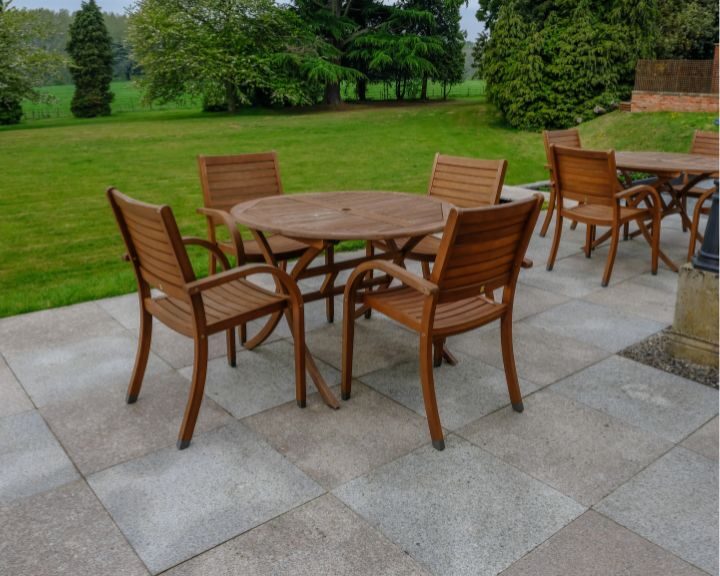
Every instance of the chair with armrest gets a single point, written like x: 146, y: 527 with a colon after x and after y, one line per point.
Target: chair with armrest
x: 589, y: 177
x: 571, y: 139
x: 481, y: 250
x: 196, y: 308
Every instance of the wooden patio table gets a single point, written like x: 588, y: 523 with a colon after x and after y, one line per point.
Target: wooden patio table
x: 666, y: 166
x: 324, y: 218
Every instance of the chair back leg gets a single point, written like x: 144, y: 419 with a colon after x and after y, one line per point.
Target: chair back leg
x: 548, y: 213
x: 556, y: 241
x: 231, y: 349
x: 141, y: 358
x: 506, y: 343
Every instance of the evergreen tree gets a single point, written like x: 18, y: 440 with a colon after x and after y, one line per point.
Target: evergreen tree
x: 91, y: 51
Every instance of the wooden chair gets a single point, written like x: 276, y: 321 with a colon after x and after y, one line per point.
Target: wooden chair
x: 700, y: 209
x: 196, y: 308
x: 463, y: 182
x: 705, y: 143
x: 481, y: 250
x: 590, y: 178
x: 229, y: 180
x: 571, y: 139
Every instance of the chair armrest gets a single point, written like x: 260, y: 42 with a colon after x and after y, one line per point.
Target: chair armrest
x: 408, y: 278
x: 195, y: 241
x: 637, y: 193
x: 231, y: 226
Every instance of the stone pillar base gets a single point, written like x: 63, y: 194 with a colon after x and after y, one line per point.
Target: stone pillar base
x: 694, y: 333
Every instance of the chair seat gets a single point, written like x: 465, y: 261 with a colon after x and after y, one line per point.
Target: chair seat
x: 224, y: 306
x: 405, y: 305
x: 597, y: 213
x: 282, y: 247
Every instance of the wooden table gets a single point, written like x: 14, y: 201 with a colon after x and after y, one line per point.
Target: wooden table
x: 322, y: 219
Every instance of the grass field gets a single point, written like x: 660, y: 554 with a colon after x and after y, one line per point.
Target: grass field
x: 59, y: 243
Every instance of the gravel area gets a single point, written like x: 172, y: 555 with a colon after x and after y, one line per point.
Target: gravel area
x: 652, y: 352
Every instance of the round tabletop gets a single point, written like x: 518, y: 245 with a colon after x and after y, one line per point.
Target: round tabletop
x: 666, y: 162
x: 365, y: 215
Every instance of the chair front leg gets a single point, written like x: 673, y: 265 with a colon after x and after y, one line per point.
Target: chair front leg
x: 556, y: 240
x: 197, y: 388
x: 347, y: 343
x: 141, y: 358
x: 231, y: 349
x: 615, y: 239
x: 506, y: 343
x: 296, y: 320
x: 428, y: 389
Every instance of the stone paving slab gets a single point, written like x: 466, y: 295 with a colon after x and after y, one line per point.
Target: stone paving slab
x: 31, y: 460
x: 320, y: 537
x: 174, y: 504
x: 541, y: 356
x: 596, y: 325
x: 530, y: 300
x: 63, y: 532
x: 705, y: 440
x: 664, y: 404
x: 649, y: 302
x: 583, y: 453
x: 263, y: 378
x: 334, y: 446
x: 68, y: 371
x: 464, y: 392
x: 14, y: 399
x: 593, y: 545
x: 379, y: 343
x: 100, y: 429
x: 459, y: 511
x: 674, y: 504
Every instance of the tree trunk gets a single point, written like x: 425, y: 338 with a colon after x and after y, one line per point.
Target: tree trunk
x: 398, y: 92
x: 332, y: 93
x: 362, y: 89
x: 230, y: 98
x: 423, y: 90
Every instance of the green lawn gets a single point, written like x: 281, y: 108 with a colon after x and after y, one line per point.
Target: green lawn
x: 59, y: 243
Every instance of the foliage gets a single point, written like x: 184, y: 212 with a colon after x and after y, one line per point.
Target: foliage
x: 23, y: 63
x: 230, y: 52
x: 688, y: 29
x: 91, y: 52
x: 555, y: 63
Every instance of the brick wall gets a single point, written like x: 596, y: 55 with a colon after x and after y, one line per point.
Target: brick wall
x: 673, y: 102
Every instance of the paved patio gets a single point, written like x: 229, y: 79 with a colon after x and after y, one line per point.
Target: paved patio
x: 612, y: 468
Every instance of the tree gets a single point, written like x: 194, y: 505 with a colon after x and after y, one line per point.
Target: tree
x: 23, y: 63
x: 91, y: 51
x: 688, y: 29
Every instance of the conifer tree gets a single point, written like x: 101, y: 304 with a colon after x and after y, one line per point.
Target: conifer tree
x: 90, y: 48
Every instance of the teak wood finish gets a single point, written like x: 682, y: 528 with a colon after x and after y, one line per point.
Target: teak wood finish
x: 570, y: 139
x: 192, y: 307
x: 229, y: 180
x: 482, y: 249
x: 589, y: 177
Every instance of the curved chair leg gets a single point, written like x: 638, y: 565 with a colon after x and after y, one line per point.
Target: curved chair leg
x: 264, y: 332
x: 694, y: 229
x: 348, y: 338
x: 548, y: 213
x: 511, y: 378
x: 141, y: 358
x: 330, y: 300
x: 556, y: 241
x: 197, y: 388
x: 428, y: 388
x: 231, y: 350
x: 615, y: 239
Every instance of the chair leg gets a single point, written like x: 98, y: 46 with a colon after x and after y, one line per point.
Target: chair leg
x: 231, y: 350
x: 428, y: 388
x: 297, y: 326
x: 264, y: 332
x: 506, y: 343
x: 330, y: 300
x: 425, y: 269
x: 369, y: 252
x: 615, y: 239
x: 243, y: 334
x: 556, y: 241
x: 683, y: 202
x: 548, y: 213
x: 573, y: 224
x: 197, y: 388
x: 141, y: 358
x: 438, y: 346
x: 347, y: 345
x: 655, y: 254
x: 588, y: 241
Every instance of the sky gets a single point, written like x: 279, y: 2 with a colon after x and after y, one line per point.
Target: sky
x: 468, y: 23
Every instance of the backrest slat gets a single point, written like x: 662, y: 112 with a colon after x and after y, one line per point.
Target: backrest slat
x: 568, y: 138
x: 467, y: 182
x: 705, y: 143
x: 482, y: 248
x: 229, y: 180
x: 154, y: 243
x: 587, y: 176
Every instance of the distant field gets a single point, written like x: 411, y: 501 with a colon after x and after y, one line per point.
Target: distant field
x: 128, y: 98
x: 59, y: 243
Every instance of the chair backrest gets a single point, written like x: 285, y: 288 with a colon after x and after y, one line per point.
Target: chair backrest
x: 153, y: 243
x: 569, y: 138
x: 483, y: 248
x: 705, y: 143
x: 587, y: 176
x: 467, y: 182
x: 229, y: 180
